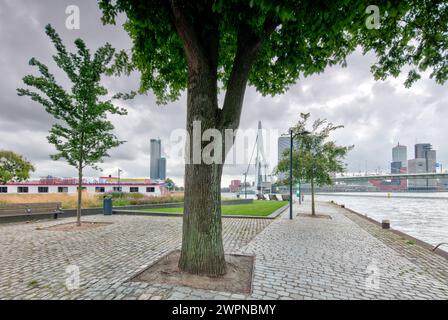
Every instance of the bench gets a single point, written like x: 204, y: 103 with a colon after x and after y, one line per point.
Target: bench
x: 30, y: 210
x: 273, y: 197
x: 285, y: 197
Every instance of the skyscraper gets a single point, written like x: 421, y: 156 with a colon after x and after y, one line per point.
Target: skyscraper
x: 283, y: 145
x: 157, y: 162
x: 420, y: 149
x: 399, y: 163
x: 424, y: 162
x: 162, y: 168
x: 400, y: 154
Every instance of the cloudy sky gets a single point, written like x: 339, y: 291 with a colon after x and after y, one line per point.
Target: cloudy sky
x: 376, y: 115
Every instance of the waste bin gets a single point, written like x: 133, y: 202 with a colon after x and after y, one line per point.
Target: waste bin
x: 107, y: 206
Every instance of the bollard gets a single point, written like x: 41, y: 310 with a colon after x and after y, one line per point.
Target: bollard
x: 385, y: 224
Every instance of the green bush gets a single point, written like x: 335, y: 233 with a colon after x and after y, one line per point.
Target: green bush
x: 120, y: 202
x: 114, y: 194
x: 133, y: 195
x: 156, y: 200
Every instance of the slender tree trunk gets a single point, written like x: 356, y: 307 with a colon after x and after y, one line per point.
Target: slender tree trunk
x: 78, y: 208
x: 313, y: 207
x: 202, y: 248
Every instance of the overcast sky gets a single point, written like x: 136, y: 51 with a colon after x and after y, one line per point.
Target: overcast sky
x: 376, y: 115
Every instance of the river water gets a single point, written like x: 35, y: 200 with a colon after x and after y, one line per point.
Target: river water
x: 421, y: 215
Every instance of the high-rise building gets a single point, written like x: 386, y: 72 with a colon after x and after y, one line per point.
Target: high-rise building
x: 424, y: 162
x: 157, y: 162
x: 420, y: 149
x: 283, y: 144
x: 400, y: 154
x: 399, y: 164
x: 162, y: 168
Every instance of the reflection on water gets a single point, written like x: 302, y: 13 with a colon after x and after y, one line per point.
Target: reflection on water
x: 421, y: 215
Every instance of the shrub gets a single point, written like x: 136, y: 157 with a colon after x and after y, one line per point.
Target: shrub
x: 156, y: 200
x: 113, y: 195
x: 120, y: 202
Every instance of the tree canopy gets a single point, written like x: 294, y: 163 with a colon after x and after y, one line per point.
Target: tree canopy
x: 13, y: 167
x: 293, y: 38
x: 82, y: 135
x: 314, y: 156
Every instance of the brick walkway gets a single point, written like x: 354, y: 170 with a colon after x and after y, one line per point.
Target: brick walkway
x: 304, y: 258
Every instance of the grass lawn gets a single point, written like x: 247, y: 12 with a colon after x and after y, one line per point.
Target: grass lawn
x: 257, y: 208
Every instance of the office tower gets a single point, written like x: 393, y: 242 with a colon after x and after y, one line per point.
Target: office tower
x: 424, y: 162
x: 431, y: 160
x: 282, y: 145
x: 157, y: 162
x: 420, y: 149
x: 425, y: 151
x: 399, y: 154
x: 162, y: 168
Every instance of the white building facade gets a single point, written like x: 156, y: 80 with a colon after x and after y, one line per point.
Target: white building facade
x: 70, y: 186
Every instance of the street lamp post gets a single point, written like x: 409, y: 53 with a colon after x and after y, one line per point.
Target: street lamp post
x: 119, y: 187
x: 291, y: 145
x: 245, y: 190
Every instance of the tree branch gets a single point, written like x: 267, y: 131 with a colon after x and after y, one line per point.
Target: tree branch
x: 190, y: 40
x: 248, y: 46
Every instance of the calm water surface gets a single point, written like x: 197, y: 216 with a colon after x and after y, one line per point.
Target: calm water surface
x: 421, y: 215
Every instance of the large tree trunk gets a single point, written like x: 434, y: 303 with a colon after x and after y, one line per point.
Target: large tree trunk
x: 202, y: 247
x: 313, y: 206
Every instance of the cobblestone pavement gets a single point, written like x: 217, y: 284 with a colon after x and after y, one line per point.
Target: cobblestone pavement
x: 310, y: 258
x: 305, y: 258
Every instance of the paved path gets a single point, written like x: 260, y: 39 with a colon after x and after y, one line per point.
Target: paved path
x: 310, y: 258
x: 305, y: 258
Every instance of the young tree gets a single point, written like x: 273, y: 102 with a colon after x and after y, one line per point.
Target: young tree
x: 13, y: 167
x: 170, y: 185
x: 82, y: 133
x: 314, y: 158
x: 207, y: 45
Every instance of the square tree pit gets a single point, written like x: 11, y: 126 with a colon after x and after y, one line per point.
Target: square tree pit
x: 238, y: 278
